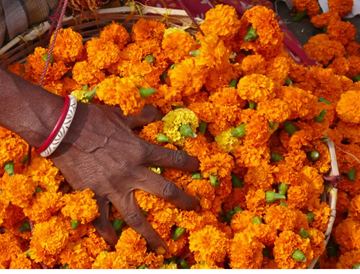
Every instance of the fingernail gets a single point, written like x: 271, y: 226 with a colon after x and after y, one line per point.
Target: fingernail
x: 160, y: 250
x: 197, y: 209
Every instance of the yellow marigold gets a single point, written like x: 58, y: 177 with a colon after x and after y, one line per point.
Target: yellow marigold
x: 12, y: 149
x: 102, y: 53
x: 344, y: 32
x: 116, y: 33
x: 310, y: 6
x: 43, y: 205
x: 49, y: 238
x: 85, y: 74
x: 340, y: 66
x: 256, y: 87
x: 354, y: 210
x: 245, y: 251
x: 80, y: 206
x: 68, y: 46
x: 347, y: 235
x: 18, y: 189
x: 348, y: 108
x: 343, y: 7
x: 275, y: 110
x: 208, y: 244
x: 177, y: 46
x: 227, y: 141
x: 317, y: 241
x: 123, y: 92
x: 176, y: 119
x: 21, y: 262
x: 132, y: 245
x: 347, y: 260
x: 44, y: 172
x: 10, y: 247
x: 187, y: 76
x: 147, y: 30
x: 323, y: 19
x: 241, y: 220
x: 253, y: 64
x: 171, y: 265
x: 36, y: 65
x: 285, y: 246
x: 222, y: 21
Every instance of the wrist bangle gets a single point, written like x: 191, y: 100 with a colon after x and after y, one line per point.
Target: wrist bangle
x: 61, y: 128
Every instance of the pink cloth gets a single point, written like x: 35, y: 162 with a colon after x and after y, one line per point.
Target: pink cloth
x: 198, y: 8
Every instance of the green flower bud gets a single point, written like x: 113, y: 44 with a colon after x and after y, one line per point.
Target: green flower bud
x: 66, y: 267
x: 356, y: 266
x: 236, y: 181
x: 313, y: 155
x: 299, y: 16
x: 290, y: 128
x: 118, y: 224
x: 106, y: 251
x: 90, y: 95
x: 45, y: 57
x: 321, y: 117
x: 195, y: 53
x: 202, y: 127
x: 142, y: 267
x: 271, y: 197
x: 282, y: 188
x: 146, y: 92
x: 213, y: 180
x: 283, y: 204
x: 299, y: 256
x: 237, y: 209
x: 186, y: 131
x: 196, y: 176
x: 321, y: 99
x: 184, y: 265
x: 9, y: 168
x: 37, y: 190
x: 239, y: 131
x: 28, y: 253
x: 289, y: 82
x: 251, y: 35
x: 74, y: 224
x: 356, y: 78
x: 310, y: 216
x: 351, y: 174
x: 25, y: 227
x: 304, y: 233
x: 275, y: 157
x: 256, y: 220
x: 178, y: 232
x: 162, y: 138
x: 233, y: 83
x: 85, y: 88
x: 252, y: 105
x: 150, y: 58
x: 173, y: 66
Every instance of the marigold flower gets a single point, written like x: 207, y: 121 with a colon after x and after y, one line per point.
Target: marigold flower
x: 10, y: 247
x: 86, y: 75
x: 322, y: 20
x: 253, y: 64
x: 340, y: 66
x: 347, y: 108
x: 80, y: 206
x: 205, y: 265
x: 145, y: 30
x: 347, y: 260
x: 245, y: 251
x: 322, y: 213
x: 208, y: 244
x: 69, y: 85
x: 203, y: 190
x: 151, y: 132
x: 310, y: 6
x: 227, y: 141
x: 285, y: 246
x: 10, y: 215
x: 344, y: 32
x: 266, y: 234
x: 317, y: 241
x: 241, y: 220
x: 347, y: 235
x: 12, y: 149
x: 102, y: 53
x: 68, y: 46
x: 343, y: 7
x: 281, y: 218
x: 256, y: 87
x: 354, y: 210
x: 275, y: 110
x: 75, y: 256
x: 105, y: 260
x: 352, y: 48
x: 278, y: 69
x: 115, y: 33
x: 21, y: 262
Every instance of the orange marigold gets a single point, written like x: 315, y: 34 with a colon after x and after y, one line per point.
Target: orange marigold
x: 340, y: 66
x: 147, y: 30
x: 241, y: 220
x: 68, y: 46
x: 275, y: 110
x: 347, y: 260
x: 102, y: 53
x: 317, y: 241
x: 323, y: 19
x: 341, y: 31
x: 256, y: 87
x: 343, y: 7
x: 354, y: 210
x: 177, y: 46
x: 347, y: 235
x: 310, y: 6
x: 10, y: 246
x: 116, y: 33
x: 348, y: 108
x: 85, y: 74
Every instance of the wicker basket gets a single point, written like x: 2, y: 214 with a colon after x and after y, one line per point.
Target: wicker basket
x: 17, y: 50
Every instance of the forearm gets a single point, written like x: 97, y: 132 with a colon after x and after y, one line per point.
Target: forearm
x: 27, y: 109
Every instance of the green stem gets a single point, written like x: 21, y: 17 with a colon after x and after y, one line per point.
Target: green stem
x: 252, y: 105
x: 173, y: 66
x: 45, y: 57
x: 213, y: 180
x: 90, y: 95
x: 162, y: 138
x: 118, y: 224
x: 299, y: 256
x: 142, y: 267
x: 310, y: 216
x: 299, y: 16
x: 10, y: 168
x: 251, y: 35
x: 283, y: 204
x: 228, y: 216
x: 282, y: 188
x: 325, y: 29
x: 272, y: 124
x: 28, y: 253
x: 74, y: 224
x: 290, y: 128
x: 239, y: 131
x: 25, y: 159
x: 66, y: 267
x: 85, y: 88
x: 25, y: 227
x: 236, y: 181
x: 22, y: 71
x: 150, y: 58
x: 313, y: 155
x: 321, y: 117
x: 196, y: 176
x: 351, y: 174
x: 321, y: 99
x: 275, y: 157
x: 178, y: 232
x: 256, y: 220
x: 289, y: 82
x: 146, y: 92
x: 233, y: 83
x: 237, y: 209
x: 195, y: 53
x: 202, y: 127
x: 271, y: 196
x: 186, y: 131
x: 304, y: 233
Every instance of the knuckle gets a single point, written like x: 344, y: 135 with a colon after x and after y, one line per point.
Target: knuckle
x: 135, y: 220
x: 178, y: 158
x: 170, y: 191
x: 146, y: 150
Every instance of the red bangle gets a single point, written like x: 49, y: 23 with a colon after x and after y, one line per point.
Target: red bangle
x: 57, y: 127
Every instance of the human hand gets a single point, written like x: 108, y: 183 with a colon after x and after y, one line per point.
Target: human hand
x: 101, y: 152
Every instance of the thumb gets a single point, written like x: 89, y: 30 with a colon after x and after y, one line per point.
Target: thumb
x: 148, y: 115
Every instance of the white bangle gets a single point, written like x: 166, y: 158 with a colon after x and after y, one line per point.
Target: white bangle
x: 63, y: 130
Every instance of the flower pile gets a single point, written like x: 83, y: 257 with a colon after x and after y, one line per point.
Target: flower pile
x: 234, y: 99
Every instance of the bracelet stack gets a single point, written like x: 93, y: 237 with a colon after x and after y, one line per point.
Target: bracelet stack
x: 61, y: 128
